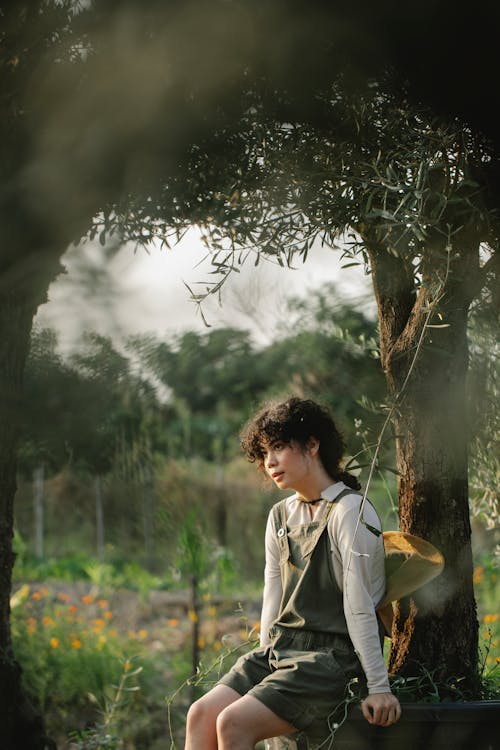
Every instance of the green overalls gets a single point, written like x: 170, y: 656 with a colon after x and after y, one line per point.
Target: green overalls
x: 303, y: 673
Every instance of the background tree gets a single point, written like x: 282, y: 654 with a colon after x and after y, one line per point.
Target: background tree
x: 98, y: 412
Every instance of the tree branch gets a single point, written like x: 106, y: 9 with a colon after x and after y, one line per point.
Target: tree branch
x: 398, y: 305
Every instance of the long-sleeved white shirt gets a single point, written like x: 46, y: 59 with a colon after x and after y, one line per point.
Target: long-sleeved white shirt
x: 358, y: 564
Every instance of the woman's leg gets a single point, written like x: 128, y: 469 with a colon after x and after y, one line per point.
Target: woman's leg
x: 246, y: 721
x: 202, y: 717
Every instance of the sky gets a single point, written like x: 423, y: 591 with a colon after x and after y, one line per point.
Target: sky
x: 145, y: 292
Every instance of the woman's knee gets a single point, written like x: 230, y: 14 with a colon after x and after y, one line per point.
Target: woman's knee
x: 233, y: 724
x: 228, y: 723
x: 201, y: 712
x: 204, y: 711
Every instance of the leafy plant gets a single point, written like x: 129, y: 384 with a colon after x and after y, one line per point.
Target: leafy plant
x: 102, y: 736
x: 69, y: 649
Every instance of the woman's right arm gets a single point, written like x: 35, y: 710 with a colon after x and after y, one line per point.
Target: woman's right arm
x: 272, y: 583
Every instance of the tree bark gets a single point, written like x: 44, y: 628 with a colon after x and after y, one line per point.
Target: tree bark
x: 22, y: 728
x: 148, y: 519
x: 23, y: 286
x: 38, y: 502
x: 437, y: 627
x: 99, y: 518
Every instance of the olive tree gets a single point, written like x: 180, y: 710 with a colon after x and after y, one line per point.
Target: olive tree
x: 253, y: 120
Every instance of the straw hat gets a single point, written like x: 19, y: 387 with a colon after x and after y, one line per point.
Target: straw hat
x: 410, y: 562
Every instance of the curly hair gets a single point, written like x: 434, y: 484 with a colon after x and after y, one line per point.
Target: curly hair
x: 297, y: 420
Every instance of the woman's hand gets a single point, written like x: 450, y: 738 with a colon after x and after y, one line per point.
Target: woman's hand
x: 382, y: 709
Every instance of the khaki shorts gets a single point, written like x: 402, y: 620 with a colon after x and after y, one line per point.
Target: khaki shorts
x: 301, y: 676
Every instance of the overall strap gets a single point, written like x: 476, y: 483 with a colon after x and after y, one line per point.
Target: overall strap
x: 280, y: 524
x: 323, y: 521
x: 279, y: 518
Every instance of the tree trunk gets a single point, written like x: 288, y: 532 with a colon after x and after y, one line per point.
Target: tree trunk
x: 437, y: 627
x: 221, y: 508
x: 99, y: 518
x: 433, y: 503
x: 21, y: 727
x: 38, y: 491
x: 148, y: 520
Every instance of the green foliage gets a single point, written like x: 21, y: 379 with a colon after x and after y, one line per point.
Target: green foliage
x: 427, y: 688
x: 83, y: 567
x: 120, y: 574
x: 486, y: 587
x: 193, y: 552
x: 79, y: 665
x: 66, y: 655
x: 100, y: 737
x: 214, y: 381
x: 84, y: 410
x: 162, y: 457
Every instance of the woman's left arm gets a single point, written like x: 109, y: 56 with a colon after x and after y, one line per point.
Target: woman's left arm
x: 271, y: 599
x: 359, y: 550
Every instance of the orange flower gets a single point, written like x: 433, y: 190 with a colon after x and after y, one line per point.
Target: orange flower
x: 54, y: 642
x: 142, y: 634
x: 173, y: 622
x: 44, y: 591
x: 73, y: 609
x: 103, y: 604
x: 87, y: 599
x: 31, y: 624
x: 490, y: 618
x: 64, y: 597
x: 36, y: 595
x: 99, y: 623
x: 108, y: 615
x: 76, y: 643
x: 47, y: 621
x: 478, y: 574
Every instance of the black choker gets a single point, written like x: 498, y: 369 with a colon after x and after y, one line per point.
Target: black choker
x: 312, y: 502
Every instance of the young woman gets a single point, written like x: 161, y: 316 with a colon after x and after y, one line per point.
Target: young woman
x: 324, y: 577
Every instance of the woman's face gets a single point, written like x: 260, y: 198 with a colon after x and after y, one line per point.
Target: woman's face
x: 288, y: 464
